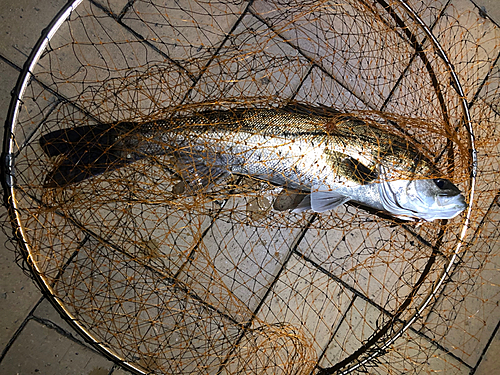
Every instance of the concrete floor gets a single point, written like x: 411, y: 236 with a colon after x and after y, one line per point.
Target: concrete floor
x: 35, y: 340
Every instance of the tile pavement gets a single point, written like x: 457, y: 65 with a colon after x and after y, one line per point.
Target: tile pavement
x: 34, y: 339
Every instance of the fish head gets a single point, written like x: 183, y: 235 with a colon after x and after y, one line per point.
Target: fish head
x: 425, y: 199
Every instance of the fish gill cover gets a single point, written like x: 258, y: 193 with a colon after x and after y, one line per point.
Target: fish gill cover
x: 172, y: 204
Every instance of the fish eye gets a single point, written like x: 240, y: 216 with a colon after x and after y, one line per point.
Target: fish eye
x: 440, y: 183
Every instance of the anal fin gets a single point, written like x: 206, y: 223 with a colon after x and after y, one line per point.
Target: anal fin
x: 304, y: 205
x: 289, y: 200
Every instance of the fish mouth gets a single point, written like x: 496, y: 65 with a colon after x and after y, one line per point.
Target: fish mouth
x: 457, y: 200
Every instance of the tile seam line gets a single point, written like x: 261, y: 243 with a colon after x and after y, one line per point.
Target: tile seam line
x: 474, y: 99
x: 495, y: 60
x: 334, y: 333
x: 413, y: 57
x: 440, y: 347
x: 485, y: 350
x: 483, y: 82
x: 301, y: 83
x: 141, y: 39
x: 61, y: 98
x: 10, y: 62
x: 130, y: 4
x: 416, y: 45
x: 487, y: 15
x: 16, y: 334
x: 61, y: 331
x: 208, y: 63
x: 292, y: 250
x: 314, y: 63
x: 380, y: 308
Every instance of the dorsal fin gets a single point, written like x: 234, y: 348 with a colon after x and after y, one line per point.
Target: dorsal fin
x: 307, y: 109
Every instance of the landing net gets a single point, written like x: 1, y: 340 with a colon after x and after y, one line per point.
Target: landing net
x: 221, y: 281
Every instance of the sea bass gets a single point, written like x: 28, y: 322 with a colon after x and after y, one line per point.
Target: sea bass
x: 330, y: 158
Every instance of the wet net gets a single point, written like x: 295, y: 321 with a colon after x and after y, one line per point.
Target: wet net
x: 171, y: 278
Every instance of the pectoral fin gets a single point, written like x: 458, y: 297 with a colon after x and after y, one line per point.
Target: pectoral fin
x: 322, y: 201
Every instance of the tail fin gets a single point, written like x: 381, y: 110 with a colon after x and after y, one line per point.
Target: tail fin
x: 85, y: 151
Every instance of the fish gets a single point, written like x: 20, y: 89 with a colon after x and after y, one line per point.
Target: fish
x: 328, y: 158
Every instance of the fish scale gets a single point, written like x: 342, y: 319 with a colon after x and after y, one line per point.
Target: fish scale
x: 293, y: 139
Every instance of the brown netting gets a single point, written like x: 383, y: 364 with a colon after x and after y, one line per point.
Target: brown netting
x: 219, y: 281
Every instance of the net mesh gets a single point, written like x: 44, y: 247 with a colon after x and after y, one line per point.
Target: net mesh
x: 220, y: 281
